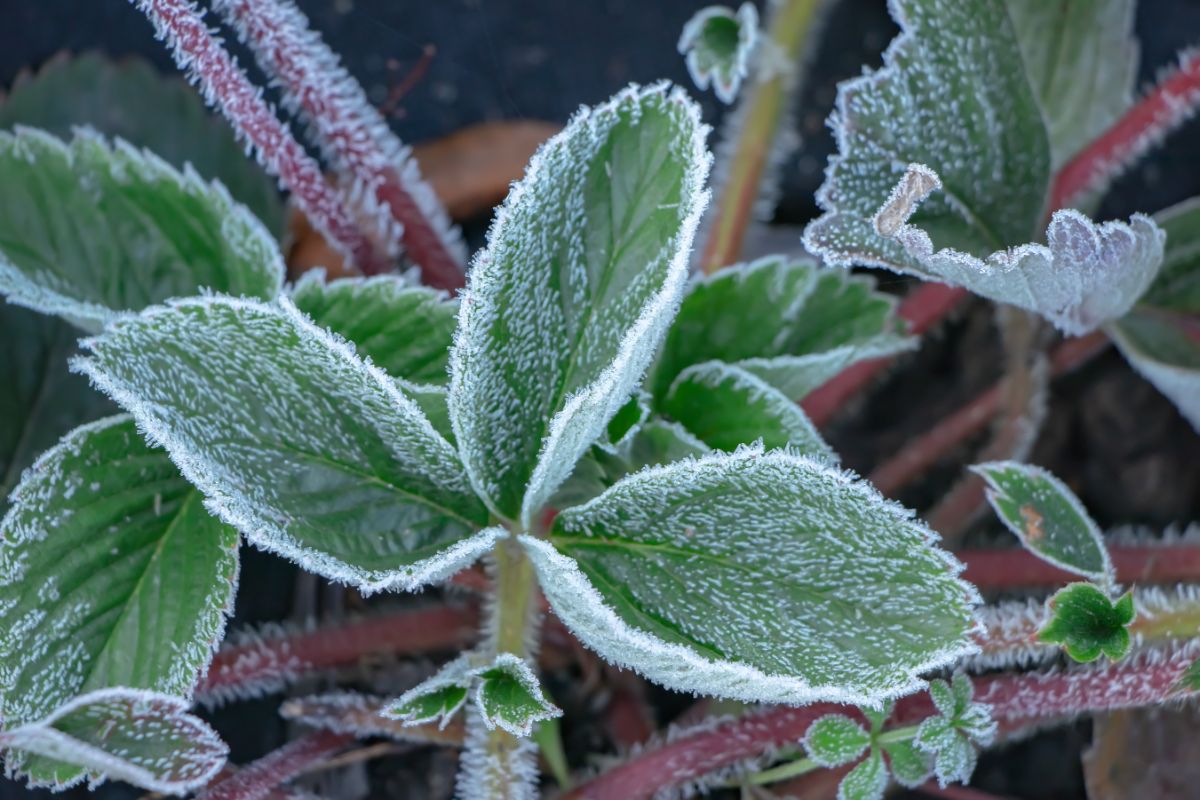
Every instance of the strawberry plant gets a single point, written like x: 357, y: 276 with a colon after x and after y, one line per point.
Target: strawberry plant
x: 624, y: 461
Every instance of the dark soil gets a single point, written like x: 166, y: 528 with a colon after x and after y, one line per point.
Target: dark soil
x: 1108, y: 433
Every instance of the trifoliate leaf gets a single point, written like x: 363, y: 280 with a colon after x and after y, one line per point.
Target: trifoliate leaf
x: 910, y: 766
x: 404, y: 330
x: 111, y: 574
x: 436, y: 699
x: 566, y: 305
x: 509, y: 696
x: 950, y: 736
x: 1047, y: 518
x: 295, y: 441
x: 758, y: 576
x: 144, y: 738
x: 89, y: 231
x: 1085, y: 276
x: 717, y: 43
x: 952, y: 94
x: 866, y: 781
x: 39, y: 399
x: 1087, y: 623
x: 793, y: 325
x: 725, y: 406
x: 834, y: 740
x: 1081, y: 59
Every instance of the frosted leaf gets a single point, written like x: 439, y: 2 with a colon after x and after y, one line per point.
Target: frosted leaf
x: 405, y: 330
x: 757, y: 576
x: 436, y: 699
x: 1087, y: 623
x: 950, y: 736
x: 93, y: 90
x: 952, y: 94
x: 565, y: 306
x: 909, y: 766
x: 144, y: 738
x: 834, y: 740
x: 1081, y: 59
x: 362, y: 716
x: 91, y: 231
x: 295, y: 441
x: 39, y: 399
x: 718, y: 43
x: 111, y: 574
x: 790, y: 323
x: 1086, y: 275
x: 725, y: 406
x: 1047, y: 517
x: 866, y: 781
x: 509, y: 696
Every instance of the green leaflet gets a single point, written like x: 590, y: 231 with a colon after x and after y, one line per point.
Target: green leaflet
x: 725, y: 406
x: 758, y: 576
x: 509, y: 697
x: 296, y: 442
x: 835, y: 739
x: 130, y: 99
x: 1047, y: 518
x: 718, y: 44
x: 111, y: 574
x: 39, y: 399
x: 1081, y: 59
x: 953, y: 95
x: 866, y: 781
x: 1088, y: 624
x: 89, y: 231
x: 790, y: 323
x: 909, y: 766
x: 144, y: 738
x: 405, y: 330
x: 436, y: 699
x: 951, y: 735
x: 565, y: 307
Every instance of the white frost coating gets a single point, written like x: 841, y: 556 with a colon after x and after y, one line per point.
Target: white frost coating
x: 456, y: 673
x: 1180, y: 384
x: 725, y: 71
x: 515, y: 667
x: 140, y: 716
x: 512, y: 774
x: 1085, y: 276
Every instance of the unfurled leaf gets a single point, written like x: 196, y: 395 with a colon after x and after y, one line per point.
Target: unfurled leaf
x: 295, y: 441
x: 132, y: 100
x: 89, y: 231
x: 725, y: 406
x: 834, y: 740
x: 790, y: 323
x: 436, y: 699
x: 405, y: 330
x: 866, y: 781
x: 1087, y: 623
x: 1081, y: 59
x: 1085, y: 276
x: 950, y: 736
x: 758, y: 576
x: 566, y: 305
x: 509, y: 697
x: 39, y: 399
x: 718, y: 43
x: 909, y: 765
x: 952, y: 94
x: 144, y: 738
x: 1047, y: 518
x: 111, y: 574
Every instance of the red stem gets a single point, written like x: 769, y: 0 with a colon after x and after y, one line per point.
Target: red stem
x: 352, y: 133
x: 225, y: 86
x: 260, y: 778
x: 1017, y: 568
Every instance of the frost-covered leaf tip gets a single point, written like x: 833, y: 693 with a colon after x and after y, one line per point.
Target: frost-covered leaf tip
x: 951, y: 735
x: 436, y: 699
x: 718, y: 43
x: 509, y: 696
x: 1088, y: 624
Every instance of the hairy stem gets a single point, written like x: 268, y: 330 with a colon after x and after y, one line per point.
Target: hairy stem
x: 756, y: 125
x: 1016, y: 568
x: 260, y: 778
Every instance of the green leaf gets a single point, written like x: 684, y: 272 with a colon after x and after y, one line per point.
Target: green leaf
x: 1081, y: 59
x: 566, y: 306
x: 952, y: 94
x: 132, y: 100
x: 757, y: 576
x: 1177, y: 287
x: 1047, y: 517
x: 793, y: 325
x: 951, y: 735
x: 1189, y: 681
x: 144, y: 738
x: 626, y: 423
x: 509, y: 697
x: 404, y: 330
x: 434, y: 404
x: 1087, y: 623
x: 717, y: 43
x: 111, y: 574
x: 834, y: 740
x: 910, y: 766
x: 295, y: 441
x: 866, y: 781
x: 39, y: 399
x: 725, y: 406
x: 436, y: 699
x: 90, y: 231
